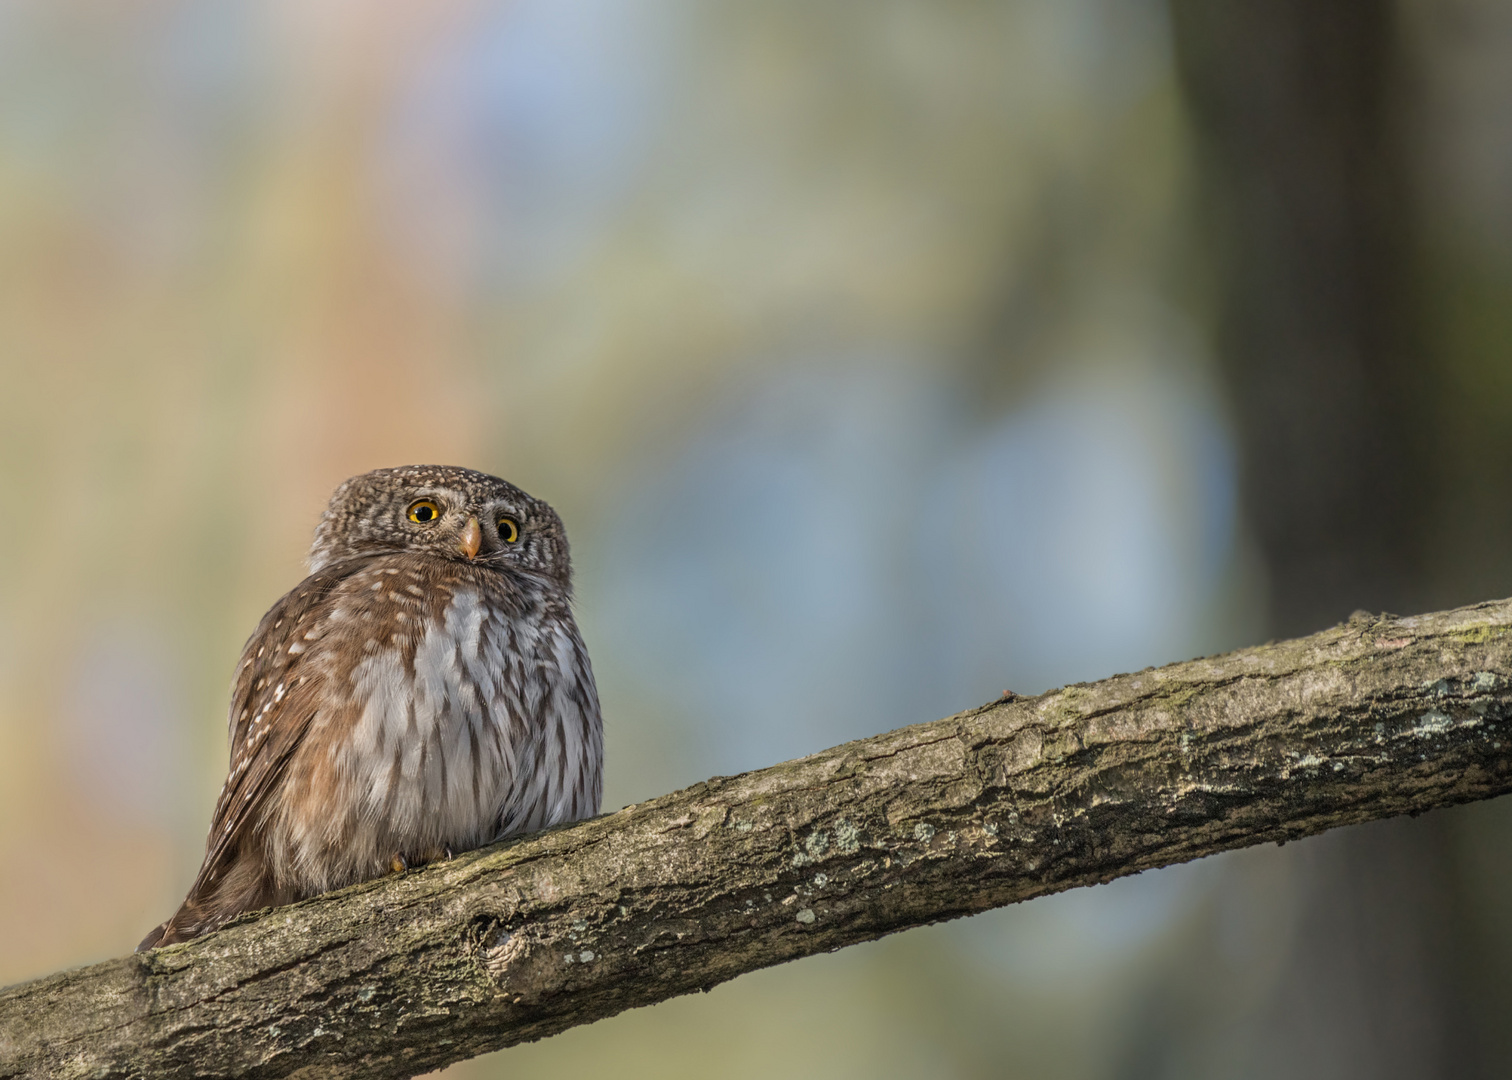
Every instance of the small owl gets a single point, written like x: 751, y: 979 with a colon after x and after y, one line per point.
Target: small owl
x: 422, y: 692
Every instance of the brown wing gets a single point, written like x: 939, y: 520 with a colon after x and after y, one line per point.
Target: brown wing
x: 273, y: 700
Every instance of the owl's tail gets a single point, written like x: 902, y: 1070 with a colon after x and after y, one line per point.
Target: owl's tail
x: 217, y: 898
x: 153, y: 939
x: 191, y: 920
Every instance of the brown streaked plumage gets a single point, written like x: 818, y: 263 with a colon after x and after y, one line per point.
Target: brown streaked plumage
x: 423, y: 691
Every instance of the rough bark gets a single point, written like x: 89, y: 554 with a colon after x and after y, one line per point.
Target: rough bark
x: 1022, y: 797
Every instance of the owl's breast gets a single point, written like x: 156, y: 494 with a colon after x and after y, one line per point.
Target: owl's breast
x: 471, y: 714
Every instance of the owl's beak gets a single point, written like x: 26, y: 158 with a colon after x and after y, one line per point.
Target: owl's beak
x: 472, y: 538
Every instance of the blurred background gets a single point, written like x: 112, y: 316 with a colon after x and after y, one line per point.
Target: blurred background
x: 879, y: 357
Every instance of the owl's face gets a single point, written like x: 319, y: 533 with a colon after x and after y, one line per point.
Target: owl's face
x: 444, y: 511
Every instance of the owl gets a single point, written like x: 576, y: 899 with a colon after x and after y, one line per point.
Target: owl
x: 424, y: 691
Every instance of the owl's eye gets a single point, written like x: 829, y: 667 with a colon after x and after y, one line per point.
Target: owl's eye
x: 424, y: 512
x: 509, y: 532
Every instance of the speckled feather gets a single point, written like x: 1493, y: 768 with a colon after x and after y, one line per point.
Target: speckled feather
x: 403, y: 701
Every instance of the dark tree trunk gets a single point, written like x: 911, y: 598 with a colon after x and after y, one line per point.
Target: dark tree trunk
x: 1294, y: 107
x: 1297, y: 107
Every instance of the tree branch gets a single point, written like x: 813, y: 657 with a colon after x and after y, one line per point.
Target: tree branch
x: 1022, y: 797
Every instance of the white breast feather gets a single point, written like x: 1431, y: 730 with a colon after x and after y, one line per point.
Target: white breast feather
x: 524, y: 724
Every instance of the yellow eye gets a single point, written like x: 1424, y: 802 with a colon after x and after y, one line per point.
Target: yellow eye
x: 424, y: 512
x: 509, y: 532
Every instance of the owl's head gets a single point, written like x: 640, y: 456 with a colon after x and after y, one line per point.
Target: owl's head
x: 444, y: 511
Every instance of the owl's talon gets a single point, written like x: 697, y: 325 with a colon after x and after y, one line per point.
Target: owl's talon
x: 450, y: 854
x: 398, y: 864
